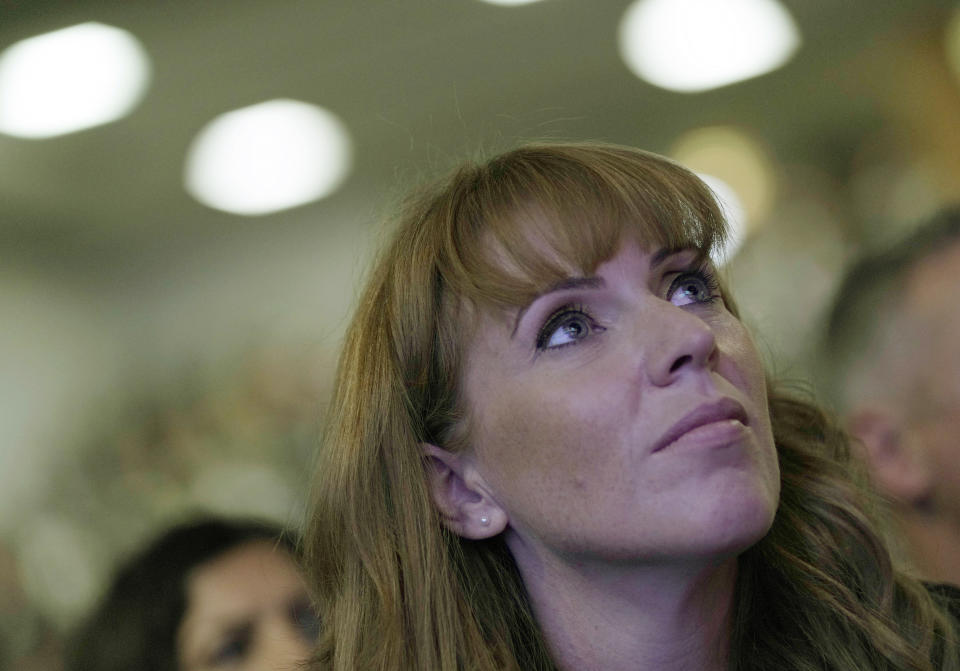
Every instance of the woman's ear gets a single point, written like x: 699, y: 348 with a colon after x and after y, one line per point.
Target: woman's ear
x: 466, y: 505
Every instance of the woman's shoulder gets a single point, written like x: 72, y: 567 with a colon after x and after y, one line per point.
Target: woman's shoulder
x: 946, y: 594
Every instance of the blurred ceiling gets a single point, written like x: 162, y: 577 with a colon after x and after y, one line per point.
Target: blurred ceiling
x: 420, y: 83
x: 109, y: 266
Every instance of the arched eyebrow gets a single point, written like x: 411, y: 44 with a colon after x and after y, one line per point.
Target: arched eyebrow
x: 563, y: 285
x: 568, y: 283
x: 663, y: 254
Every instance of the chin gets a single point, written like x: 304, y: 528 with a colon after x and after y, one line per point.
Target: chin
x: 710, y: 541
x: 734, y: 534
x: 730, y: 524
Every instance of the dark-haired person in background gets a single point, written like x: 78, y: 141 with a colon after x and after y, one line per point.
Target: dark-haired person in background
x: 208, y: 594
x: 891, y: 358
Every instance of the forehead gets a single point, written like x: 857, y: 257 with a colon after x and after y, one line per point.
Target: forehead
x: 914, y: 342
x: 932, y: 285
x: 240, y: 574
x: 930, y: 320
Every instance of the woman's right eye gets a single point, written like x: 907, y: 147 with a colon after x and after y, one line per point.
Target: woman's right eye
x: 567, y: 326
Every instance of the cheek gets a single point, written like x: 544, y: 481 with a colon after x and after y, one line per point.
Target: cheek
x: 526, y: 429
x: 742, y: 366
x: 536, y: 440
x: 740, y: 362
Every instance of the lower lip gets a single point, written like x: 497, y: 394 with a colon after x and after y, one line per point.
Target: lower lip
x: 713, y: 435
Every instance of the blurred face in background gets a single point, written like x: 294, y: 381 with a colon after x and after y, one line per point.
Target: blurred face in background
x: 931, y: 306
x: 246, y: 609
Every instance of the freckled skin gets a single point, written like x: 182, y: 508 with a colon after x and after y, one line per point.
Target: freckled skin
x: 563, y: 437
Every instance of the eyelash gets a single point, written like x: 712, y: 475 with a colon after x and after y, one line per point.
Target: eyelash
x: 556, y: 320
x: 703, y: 273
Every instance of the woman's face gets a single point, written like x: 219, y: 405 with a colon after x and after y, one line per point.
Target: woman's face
x: 246, y: 609
x: 624, y: 416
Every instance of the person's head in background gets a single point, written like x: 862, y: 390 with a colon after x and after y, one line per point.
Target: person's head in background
x: 207, y: 594
x: 891, y: 360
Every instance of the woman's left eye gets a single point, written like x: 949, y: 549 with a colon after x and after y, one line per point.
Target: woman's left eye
x: 692, y: 287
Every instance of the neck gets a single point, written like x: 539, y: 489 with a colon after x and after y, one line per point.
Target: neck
x: 930, y: 544
x: 614, y: 617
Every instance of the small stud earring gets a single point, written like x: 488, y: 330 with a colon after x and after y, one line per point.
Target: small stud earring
x: 485, y: 521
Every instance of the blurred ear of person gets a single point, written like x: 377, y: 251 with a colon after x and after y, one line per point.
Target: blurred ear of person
x: 899, y: 467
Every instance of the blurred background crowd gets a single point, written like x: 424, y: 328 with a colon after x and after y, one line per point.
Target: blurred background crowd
x: 191, y: 191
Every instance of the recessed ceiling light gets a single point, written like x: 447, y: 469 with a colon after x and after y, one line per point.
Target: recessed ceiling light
x: 696, y: 45
x: 268, y: 157
x: 70, y: 79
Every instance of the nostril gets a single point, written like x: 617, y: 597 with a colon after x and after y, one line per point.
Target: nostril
x: 681, y: 362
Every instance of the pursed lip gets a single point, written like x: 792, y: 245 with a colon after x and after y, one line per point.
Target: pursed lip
x: 707, y: 413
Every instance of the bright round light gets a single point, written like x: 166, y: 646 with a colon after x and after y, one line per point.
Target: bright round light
x: 268, y: 157
x: 732, y: 209
x: 730, y: 154
x: 70, y: 79
x: 696, y: 45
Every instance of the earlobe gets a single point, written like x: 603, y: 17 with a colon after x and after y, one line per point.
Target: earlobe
x: 460, y: 494
x: 897, y: 465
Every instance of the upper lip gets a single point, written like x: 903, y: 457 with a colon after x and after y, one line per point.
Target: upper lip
x: 707, y: 413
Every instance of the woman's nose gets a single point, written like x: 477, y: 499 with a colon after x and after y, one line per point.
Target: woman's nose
x: 682, y: 343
